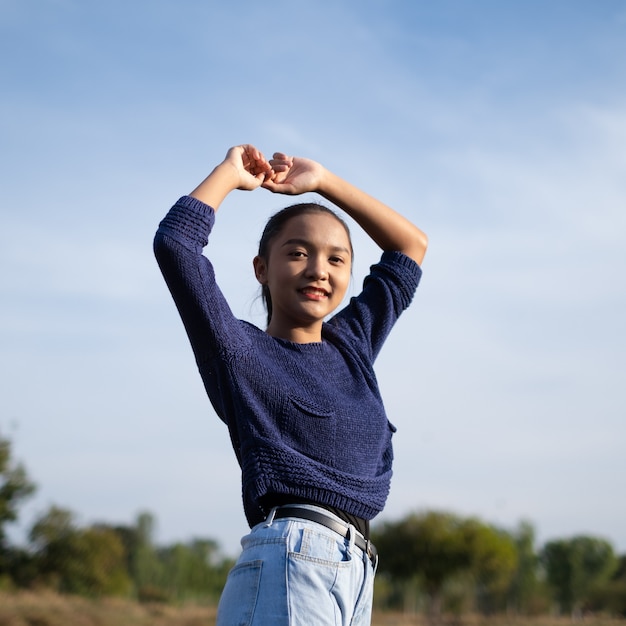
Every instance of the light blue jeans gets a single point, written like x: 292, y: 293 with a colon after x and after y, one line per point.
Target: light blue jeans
x: 293, y: 572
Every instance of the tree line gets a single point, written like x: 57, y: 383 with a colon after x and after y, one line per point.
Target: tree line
x: 439, y: 562
x: 433, y: 562
x: 101, y: 559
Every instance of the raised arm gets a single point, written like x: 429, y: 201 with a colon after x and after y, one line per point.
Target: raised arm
x: 389, y: 229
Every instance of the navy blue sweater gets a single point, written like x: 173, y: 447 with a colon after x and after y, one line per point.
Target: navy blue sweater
x: 305, y: 420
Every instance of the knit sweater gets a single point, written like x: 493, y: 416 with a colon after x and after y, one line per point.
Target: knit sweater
x: 305, y: 420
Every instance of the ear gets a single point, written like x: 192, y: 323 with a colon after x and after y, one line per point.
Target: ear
x: 260, y: 269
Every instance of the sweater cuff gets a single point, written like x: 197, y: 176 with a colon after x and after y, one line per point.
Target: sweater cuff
x: 404, y: 262
x: 189, y: 222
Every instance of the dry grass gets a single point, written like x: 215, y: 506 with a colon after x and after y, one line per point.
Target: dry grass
x: 49, y: 609
x: 546, y: 620
x: 398, y: 619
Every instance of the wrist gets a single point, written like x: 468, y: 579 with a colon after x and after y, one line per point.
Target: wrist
x: 324, y: 181
x: 329, y: 185
x: 226, y: 175
x: 217, y: 185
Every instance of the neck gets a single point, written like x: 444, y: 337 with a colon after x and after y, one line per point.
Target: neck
x: 308, y: 334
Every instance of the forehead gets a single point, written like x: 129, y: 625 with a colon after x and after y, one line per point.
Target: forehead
x: 320, y: 229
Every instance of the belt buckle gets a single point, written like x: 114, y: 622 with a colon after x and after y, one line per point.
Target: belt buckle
x: 373, y: 557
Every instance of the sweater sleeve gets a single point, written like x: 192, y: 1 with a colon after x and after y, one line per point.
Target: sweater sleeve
x: 210, y: 324
x: 387, y: 291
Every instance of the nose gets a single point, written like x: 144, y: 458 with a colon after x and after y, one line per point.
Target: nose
x: 316, y: 268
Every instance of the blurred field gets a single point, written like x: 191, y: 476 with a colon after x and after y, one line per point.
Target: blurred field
x: 49, y: 609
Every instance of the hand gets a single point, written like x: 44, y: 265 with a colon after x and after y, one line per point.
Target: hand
x: 251, y: 166
x: 243, y: 168
x: 293, y: 175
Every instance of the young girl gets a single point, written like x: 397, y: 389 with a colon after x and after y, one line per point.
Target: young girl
x: 300, y: 399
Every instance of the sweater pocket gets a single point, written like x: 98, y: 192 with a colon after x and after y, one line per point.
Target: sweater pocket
x: 309, y: 429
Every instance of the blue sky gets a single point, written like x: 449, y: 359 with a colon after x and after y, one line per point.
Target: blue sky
x: 498, y: 127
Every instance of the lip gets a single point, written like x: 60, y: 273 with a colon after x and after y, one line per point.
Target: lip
x: 314, y: 293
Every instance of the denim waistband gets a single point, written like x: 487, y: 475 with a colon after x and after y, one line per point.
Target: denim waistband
x: 320, y: 515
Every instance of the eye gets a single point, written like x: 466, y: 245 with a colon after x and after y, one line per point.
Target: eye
x: 297, y: 253
x: 336, y: 260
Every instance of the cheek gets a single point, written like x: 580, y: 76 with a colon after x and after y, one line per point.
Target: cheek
x: 343, y: 282
x: 279, y: 277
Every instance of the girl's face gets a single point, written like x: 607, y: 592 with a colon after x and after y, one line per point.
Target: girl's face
x: 307, y: 271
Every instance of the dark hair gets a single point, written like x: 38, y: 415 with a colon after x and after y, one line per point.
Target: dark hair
x: 275, y: 225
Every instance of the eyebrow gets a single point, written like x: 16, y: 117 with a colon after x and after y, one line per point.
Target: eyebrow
x: 305, y: 242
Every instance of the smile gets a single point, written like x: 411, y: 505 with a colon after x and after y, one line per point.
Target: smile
x: 314, y: 292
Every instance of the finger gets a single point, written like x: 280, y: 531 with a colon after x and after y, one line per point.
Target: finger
x: 283, y: 162
x: 280, y: 167
x: 253, y: 156
x: 270, y: 185
x: 255, y: 162
x: 279, y: 187
x: 262, y: 168
x: 281, y: 157
x: 249, y: 149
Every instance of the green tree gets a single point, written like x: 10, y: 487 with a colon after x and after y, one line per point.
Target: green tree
x: 610, y: 597
x: 524, y: 594
x: 53, y: 538
x: 438, y: 549
x: 15, y: 486
x: 574, y: 567
x: 88, y: 561
x: 428, y: 546
x: 493, y: 559
x: 147, y: 569
x: 101, y: 556
x: 194, y: 571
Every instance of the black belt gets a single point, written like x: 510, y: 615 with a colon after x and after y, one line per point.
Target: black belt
x: 329, y: 522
